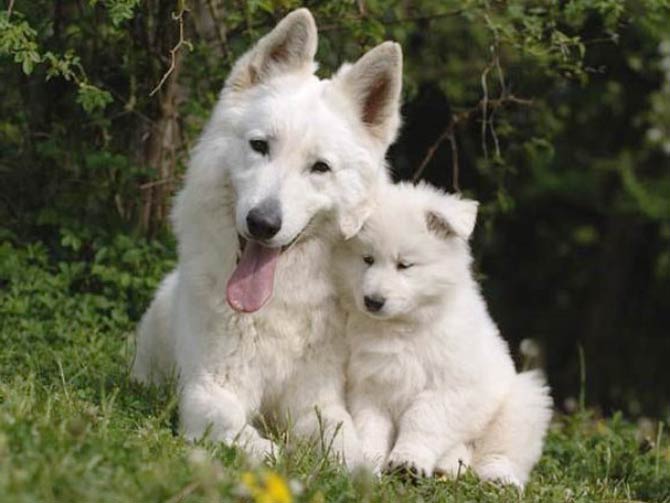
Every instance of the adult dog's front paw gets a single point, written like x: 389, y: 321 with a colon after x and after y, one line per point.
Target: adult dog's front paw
x: 348, y: 451
x: 258, y: 449
x: 374, y: 461
x: 408, y: 464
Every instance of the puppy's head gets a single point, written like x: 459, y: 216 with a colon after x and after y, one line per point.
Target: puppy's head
x: 410, y: 252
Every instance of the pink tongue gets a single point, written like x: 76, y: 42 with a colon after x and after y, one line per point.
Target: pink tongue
x: 251, y: 284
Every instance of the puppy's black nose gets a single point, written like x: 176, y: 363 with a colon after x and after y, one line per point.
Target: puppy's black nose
x: 373, y: 304
x: 264, y: 221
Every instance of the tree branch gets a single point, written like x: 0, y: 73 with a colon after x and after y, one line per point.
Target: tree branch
x: 449, y: 133
x: 179, y: 17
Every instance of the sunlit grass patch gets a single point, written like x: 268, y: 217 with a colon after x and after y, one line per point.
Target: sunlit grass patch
x: 74, y: 428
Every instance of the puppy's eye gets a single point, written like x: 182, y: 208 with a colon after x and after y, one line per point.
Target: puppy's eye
x: 260, y: 146
x: 403, y: 265
x: 320, y: 167
x: 368, y: 259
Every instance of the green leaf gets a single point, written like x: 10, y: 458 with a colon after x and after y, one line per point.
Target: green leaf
x: 92, y: 98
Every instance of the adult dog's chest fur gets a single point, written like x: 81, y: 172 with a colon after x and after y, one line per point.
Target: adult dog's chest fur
x: 273, y: 344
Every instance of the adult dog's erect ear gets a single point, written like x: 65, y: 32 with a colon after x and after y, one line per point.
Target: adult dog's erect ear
x: 290, y: 47
x: 374, y: 83
x: 452, y: 216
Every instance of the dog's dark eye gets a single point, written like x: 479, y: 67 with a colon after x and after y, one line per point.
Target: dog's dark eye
x: 369, y: 260
x: 403, y: 265
x: 320, y: 167
x: 260, y: 146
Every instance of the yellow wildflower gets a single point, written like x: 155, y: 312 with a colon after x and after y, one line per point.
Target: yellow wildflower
x: 270, y: 487
x: 277, y: 488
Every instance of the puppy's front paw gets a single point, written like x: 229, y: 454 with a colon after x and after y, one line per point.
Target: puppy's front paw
x: 499, y: 469
x: 454, y: 462
x: 410, y: 465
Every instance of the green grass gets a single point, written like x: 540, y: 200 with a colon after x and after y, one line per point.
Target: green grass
x: 73, y: 428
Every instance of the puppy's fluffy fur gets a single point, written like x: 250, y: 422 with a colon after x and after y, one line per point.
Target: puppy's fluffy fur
x: 431, y: 381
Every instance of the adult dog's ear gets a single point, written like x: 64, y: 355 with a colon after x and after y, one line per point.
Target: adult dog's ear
x: 374, y: 83
x: 290, y: 47
x: 452, y: 216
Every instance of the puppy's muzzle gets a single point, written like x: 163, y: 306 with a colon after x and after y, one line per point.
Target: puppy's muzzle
x: 373, y: 304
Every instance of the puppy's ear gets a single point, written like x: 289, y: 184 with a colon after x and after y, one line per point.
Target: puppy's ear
x: 360, y: 199
x: 374, y: 83
x: 290, y: 47
x: 350, y: 222
x: 452, y: 217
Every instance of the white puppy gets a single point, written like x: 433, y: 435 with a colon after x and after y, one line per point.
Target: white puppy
x: 431, y: 381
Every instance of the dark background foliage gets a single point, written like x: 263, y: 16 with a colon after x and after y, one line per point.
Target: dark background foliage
x: 555, y: 115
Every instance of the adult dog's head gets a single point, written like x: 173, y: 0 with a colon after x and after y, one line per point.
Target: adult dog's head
x: 294, y: 147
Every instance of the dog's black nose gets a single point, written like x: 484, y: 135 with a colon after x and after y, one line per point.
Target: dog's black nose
x: 373, y: 304
x: 264, y: 221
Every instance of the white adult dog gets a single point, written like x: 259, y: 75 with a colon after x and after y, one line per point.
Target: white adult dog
x: 249, y: 318
x: 431, y: 382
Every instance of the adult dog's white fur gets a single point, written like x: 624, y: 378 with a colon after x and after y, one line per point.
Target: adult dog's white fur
x: 287, y: 358
x: 430, y: 379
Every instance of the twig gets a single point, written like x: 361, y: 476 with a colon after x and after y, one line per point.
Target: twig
x: 454, y: 162
x: 163, y: 181
x: 10, y: 7
x: 449, y: 133
x: 503, y: 92
x: 659, y: 436
x: 179, y: 17
x: 487, y: 121
x: 362, y: 10
x: 184, y: 492
x: 494, y: 135
x: 457, y: 496
x: 488, y: 109
x: 485, y: 100
x: 62, y: 379
x: 431, y: 151
x: 501, y: 76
